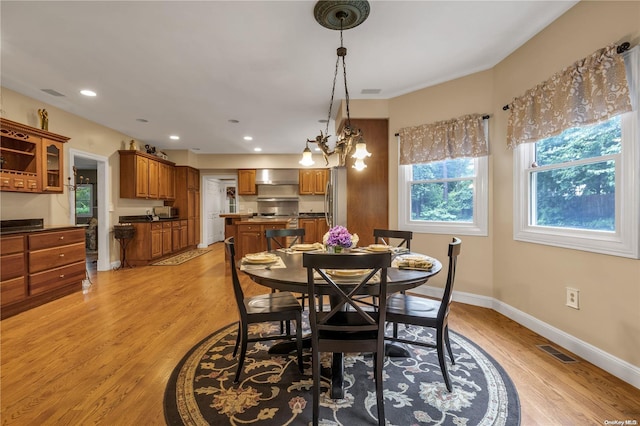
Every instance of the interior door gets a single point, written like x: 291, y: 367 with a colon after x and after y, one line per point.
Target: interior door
x: 214, y: 207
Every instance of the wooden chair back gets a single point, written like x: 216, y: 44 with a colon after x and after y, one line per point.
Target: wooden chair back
x: 277, y: 238
x: 385, y: 236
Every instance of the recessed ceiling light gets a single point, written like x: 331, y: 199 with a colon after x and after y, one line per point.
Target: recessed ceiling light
x: 52, y: 92
x: 87, y: 92
x: 324, y: 120
x: 317, y: 148
x: 257, y: 149
x: 142, y: 120
x: 248, y: 138
x: 174, y: 137
x: 370, y: 91
x: 233, y: 121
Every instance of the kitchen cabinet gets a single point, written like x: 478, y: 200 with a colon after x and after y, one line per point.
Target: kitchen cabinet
x: 188, y: 201
x: 179, y: 235
x: 12, y: 270
x: 314, y: 228
x: 247, y: 182
x: 146, y: 176
x: 250, y: 236
x: 313, y: 181
x: 37, y: 267
x: 167, y: 246
x: 32, y: 159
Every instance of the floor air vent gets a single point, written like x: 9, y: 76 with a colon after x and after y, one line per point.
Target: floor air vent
x: 554, y: 352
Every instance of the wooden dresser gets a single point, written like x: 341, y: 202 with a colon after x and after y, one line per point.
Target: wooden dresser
x: 40, y: 266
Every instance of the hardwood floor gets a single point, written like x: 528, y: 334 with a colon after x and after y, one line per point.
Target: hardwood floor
x: 104, y: 357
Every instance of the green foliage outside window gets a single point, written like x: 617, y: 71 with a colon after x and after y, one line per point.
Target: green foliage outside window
x: 577, y: 195
x: 443, y: 191
x: 84, y: 200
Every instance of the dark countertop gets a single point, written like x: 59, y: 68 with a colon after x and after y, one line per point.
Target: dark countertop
x: 144, y: 219
x: 17, y: 230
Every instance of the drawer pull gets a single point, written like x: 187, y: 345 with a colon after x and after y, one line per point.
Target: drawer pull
x: 62, y: 237
x: 61, y: 254
x: 61, y: 275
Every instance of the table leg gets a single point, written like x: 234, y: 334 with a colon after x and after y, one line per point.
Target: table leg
x: 337, y: 376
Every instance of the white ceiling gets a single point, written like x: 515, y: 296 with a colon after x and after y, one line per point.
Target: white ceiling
x: 190, y: 67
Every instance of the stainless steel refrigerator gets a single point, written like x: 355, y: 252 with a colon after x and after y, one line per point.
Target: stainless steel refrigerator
x: 335, y: 198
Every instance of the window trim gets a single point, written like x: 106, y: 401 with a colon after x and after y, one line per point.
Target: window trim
x: 479, y: 225
x: 624, y: 241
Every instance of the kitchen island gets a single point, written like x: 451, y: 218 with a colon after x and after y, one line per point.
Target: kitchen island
x: 248, y: 230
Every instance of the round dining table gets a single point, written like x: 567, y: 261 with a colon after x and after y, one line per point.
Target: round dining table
x: 290, y: 275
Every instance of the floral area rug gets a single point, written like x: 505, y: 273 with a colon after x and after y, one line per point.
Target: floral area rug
x: 272, y: 391
x: 181, y: 258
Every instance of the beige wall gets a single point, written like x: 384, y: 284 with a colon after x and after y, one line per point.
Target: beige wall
x: 531, y: 277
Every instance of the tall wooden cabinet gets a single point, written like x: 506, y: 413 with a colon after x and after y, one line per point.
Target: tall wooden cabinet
x: 314, y: 228
x: 187, y: 201
x: 32, y: 159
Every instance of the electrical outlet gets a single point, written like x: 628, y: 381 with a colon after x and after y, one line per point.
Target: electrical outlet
x: 573, y: 298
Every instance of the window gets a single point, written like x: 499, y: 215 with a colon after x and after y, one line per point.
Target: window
x: 84, y: 200
x: 579, y: 189
x: 444, y: 197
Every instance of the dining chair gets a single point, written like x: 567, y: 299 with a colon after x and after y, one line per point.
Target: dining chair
x: 423, y: 312
x: 385, y: 235
x: 275, y: 238
x: 281, y: 306
x: 337, y: 329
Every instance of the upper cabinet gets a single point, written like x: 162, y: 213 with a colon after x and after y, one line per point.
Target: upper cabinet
x: 313, y: 181
x: 146, y: 176
x: 32, y: 160
x: 247, y: 182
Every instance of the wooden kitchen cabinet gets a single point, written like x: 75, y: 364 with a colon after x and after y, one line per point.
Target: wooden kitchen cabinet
x: 32, y: 159
x: 13, y: 283
x: 167, y: 247
x: 179, y: 235
x: 188, y: 201
x: 313, y: 181
x: 146, y: 176
x: 250, y: 237
x: 37, y: 267
x: 314, y: 229
x: 247, y: 182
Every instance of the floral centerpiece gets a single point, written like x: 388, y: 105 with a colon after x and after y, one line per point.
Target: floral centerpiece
x: 339, y: 238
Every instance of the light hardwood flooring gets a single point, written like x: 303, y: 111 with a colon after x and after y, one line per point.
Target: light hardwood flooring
x: 104, y: 357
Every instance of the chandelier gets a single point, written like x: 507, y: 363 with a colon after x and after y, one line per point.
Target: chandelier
x: 340, y: 15
x: 76, y: 182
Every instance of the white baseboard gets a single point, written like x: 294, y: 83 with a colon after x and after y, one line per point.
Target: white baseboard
x: 613, y: 365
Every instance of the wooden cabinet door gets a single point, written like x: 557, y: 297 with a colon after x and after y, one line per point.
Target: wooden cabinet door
x: 163, y: 181
x: 167, y: 247
x: 142, y: 177
x: 154, y: 179
x: 250, y: 239
x: 247, y: 182
x: 184, y: 234
x: 320, y: 178
x: 306, y: 182
x: 309, y: 226
x: 53, y: 162
x: 321, y: 228
x: 175, y: 238
x: 156, y: 243
x: 171, y: 182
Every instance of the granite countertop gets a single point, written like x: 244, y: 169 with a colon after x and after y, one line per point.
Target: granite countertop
x: 145, y: 218
x: 18, y: 230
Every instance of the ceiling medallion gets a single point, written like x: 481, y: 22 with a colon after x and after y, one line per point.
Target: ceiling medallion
x: 341, y: 15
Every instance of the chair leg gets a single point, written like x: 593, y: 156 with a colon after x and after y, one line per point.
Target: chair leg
x: 288, y: 327
x: 440, y: 344
x: 315, y: 362
x: 299, y: 343
x: 235, y: 348
x: 243, y: 351
x: 448, y: 343
x: 378, y: 359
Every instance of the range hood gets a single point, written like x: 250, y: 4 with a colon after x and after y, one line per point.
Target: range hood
x: 277, y: 177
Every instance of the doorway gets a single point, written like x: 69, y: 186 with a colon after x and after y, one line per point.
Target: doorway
x: 96, y: 207
x: 215, y: 201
